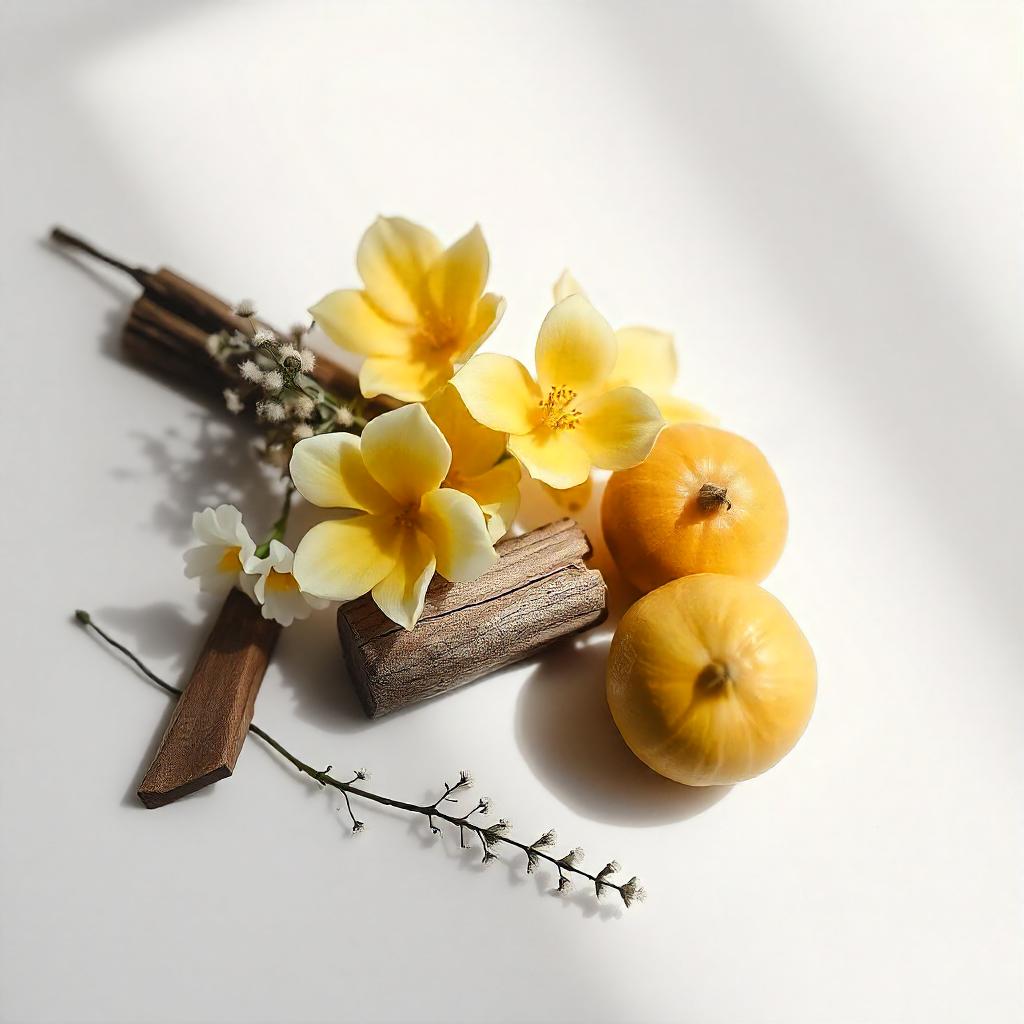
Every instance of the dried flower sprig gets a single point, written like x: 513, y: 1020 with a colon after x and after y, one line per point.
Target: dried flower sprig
x: 275, y: 374
x: 489, y: 836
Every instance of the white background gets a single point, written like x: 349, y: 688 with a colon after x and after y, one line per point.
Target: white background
x: 823, y: 201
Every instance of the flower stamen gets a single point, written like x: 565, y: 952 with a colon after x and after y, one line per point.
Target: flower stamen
x: 559, y: 413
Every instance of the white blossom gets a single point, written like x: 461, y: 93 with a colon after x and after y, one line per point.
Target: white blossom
x: 219, y: 559
x: 307, y: 360
x: 276, y: 589
x: 250, y: 371
x: 302, y: 431
x: 232, y: 401
x: 245, y: 308
x: 273, y: 381
x: 272, y: 412
x: 262, y: 336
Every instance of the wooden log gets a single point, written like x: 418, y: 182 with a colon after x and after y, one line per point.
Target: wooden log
x: 539, y: 591
x: 209, y: 724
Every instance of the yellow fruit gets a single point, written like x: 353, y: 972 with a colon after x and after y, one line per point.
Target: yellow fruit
x: 710, y: 681
x: 705, y: 500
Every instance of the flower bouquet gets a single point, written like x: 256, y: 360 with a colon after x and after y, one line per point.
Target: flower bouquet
x: 417, y: 464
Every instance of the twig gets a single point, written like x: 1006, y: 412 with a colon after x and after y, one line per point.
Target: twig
x: 488, y: 835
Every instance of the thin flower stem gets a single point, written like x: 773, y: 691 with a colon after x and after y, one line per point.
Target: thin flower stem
x: 485, y: 834
x: 278, y: 529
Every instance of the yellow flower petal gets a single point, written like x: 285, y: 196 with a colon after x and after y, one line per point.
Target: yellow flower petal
x: 619, y: 428
x: 554, y: 457
x: 400, y: 594
x: 497, y: 493
x: 489, y: 311
x: 679, y: 410
x: 350, y: 320
x: 499, y: 393
x: 475, y: 448
x: 455, y: 525
x: 407, y: 379
x: 393, y: 258
x: 647, y: 359
x: 567, y: 285
x: 406, y: 453
x: 342, y: 559
x: 328, y: 471
x: 572, y: 499
x: 575, y: 347
x: 456, y: 280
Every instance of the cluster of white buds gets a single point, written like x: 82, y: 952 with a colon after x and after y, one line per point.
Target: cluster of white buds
x: 274, y: 374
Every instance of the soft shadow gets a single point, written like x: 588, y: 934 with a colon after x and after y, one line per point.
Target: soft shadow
x: 313, y: 672
x: 567, y: 736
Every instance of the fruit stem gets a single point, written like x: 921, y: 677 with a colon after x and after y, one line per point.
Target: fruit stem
x: 713, y: 676
x: 711, y: 498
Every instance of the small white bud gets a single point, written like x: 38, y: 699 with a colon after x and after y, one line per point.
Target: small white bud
x: 303, y: 406
x: 213, y: 343
x: 250, y: 371
x: 245, y: 308
x: 344, y: 418
x: 307, y: 360
x: 302, y: 431
x: 290, y: 352
x: 272, y: 412
x: 273, y: 382
x: 264, y: 337
x: 232, y: 401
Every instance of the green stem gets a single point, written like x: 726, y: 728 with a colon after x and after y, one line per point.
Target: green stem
x: 278, y: 529
x: 486, y: 836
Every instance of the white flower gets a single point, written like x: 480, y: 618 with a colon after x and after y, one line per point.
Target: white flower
x: 290, y: 352
x: 213, y: 343
x: 232, y: 401
x: 224, y: 548
x: 344, y: 417
x: 276, y: 588
x: 273, y: 381
x: 302, y: 431
x: 307, y: 360
x: 272, y: 412
x: 246, y: 308
x: 250, y: 371
x: 303, y: 406
x: 262, y: 336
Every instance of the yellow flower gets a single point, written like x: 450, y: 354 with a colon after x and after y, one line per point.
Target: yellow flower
x: 480, y: 465
x: 406, y: 526
x: 568, y: 419
x: 646, y: 360
x: 422, y: 310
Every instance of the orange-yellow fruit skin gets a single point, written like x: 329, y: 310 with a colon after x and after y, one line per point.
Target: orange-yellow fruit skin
x: 710, y: 680
x: 656, y: 529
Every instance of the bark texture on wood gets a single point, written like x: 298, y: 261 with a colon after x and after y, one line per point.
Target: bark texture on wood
x: 539, y: 591
x: 209, y: 723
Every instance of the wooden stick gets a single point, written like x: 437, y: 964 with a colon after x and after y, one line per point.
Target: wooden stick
x: 539, y: 592
x: 169, y: 323
x: 209, y: 723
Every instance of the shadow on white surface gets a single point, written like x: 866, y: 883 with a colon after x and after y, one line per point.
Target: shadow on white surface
x: 567, y: 736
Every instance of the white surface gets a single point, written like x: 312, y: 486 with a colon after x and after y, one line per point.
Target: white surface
x: 823, y: 201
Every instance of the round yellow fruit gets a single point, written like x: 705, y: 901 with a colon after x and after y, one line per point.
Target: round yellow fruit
x: 710, y: 681
x: 705, y: 500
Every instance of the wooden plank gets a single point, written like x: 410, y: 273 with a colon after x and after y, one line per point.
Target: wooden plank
x: 539, y: 592
x: 209, y: 723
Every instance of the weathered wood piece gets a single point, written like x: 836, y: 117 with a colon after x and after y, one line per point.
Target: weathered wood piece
x: 168, y: 325
x: 209, y: 723
x: 539, y: 591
